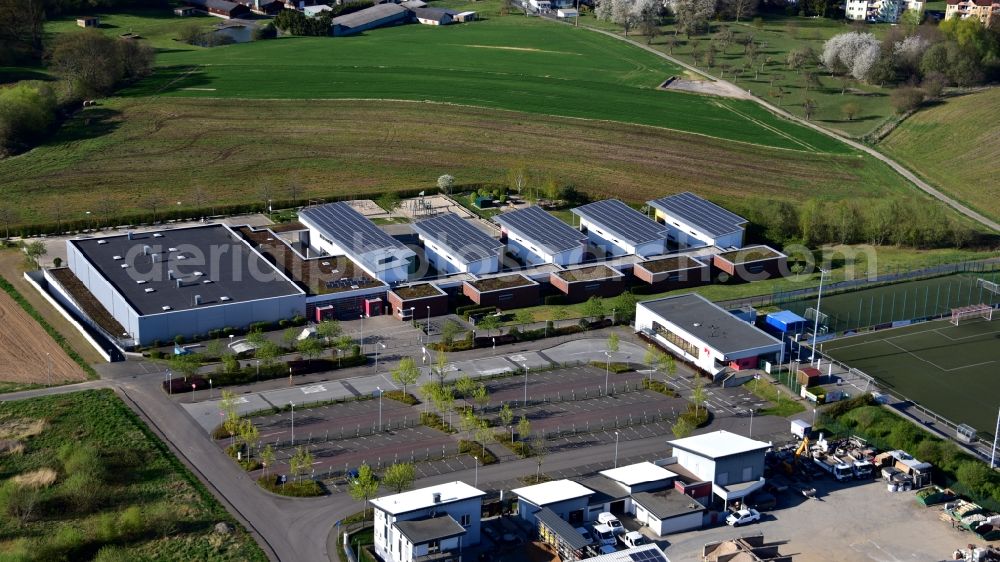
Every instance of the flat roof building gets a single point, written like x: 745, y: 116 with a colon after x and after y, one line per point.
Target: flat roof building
x: 694, y: 221
x: 454, y: 245
x: 621, y: 230
x: 336, y: 229
x: 568, y: 499
x: 432, y: 523
x: 536, y: 237
x: 734, y: 464
x: 702, y: 332
x: 187, y: 281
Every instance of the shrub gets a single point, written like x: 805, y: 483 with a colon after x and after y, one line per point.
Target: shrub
x: 26, y: 113
x: 398, y: 396
x: 659, y: 386
x: 696, y: 420
x: 906, y: 99
x: 434, y: 421
x: 476, y: 449
x: 555, y: 300
x: 302, y: 489
x: 614, y: 367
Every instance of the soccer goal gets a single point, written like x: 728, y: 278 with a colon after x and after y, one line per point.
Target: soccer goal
x: 973, y: 311
x: 989, y: 286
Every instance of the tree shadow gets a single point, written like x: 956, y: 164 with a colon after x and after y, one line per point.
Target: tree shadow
x: 90, y: 123
x: 10, y: 75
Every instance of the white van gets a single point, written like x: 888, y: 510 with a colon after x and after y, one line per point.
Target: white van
x: 604, y: 534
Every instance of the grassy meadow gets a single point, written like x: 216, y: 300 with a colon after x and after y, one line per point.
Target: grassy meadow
x: 83, y: 478
x: 956, y: 146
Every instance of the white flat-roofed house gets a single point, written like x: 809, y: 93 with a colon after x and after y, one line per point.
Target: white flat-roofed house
x: 336, y: 229
x: 621, y: 230
x: 568, y: 499
x: 734, y: 464
x: 693, y: 221
x: 703, y: 333
x: 429, y: 524
x: 454, y: 245
x: 536, y: 237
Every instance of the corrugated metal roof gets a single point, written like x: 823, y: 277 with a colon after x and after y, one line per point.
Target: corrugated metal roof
x: 368, y: 15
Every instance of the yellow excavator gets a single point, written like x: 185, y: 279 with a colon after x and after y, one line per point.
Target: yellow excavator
x: 802, y: 448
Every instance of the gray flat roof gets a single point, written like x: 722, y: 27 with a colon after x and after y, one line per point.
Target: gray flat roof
x: 607, y: 489
x: 542, y: 228
x: 348, y: 228
x: 211, y: 261
x: 562, y: 528
x: 709, y: 323
x: 667, y: 503
x: 368, y: 15
x: 622, y: 221
x: 704, y: 215
x: 420, y: 531
x: 459, y: 237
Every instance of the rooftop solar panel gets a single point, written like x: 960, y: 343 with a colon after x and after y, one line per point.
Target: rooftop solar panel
x: 705, y: 215
x: 622, y: 221
x: 459, y: 237
x: 349, y: 229
x: 651, y: 555
x: 542, y: 228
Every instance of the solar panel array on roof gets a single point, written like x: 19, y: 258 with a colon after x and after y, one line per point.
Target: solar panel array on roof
x: 349, y: 229
x: 542, y: 228
x: 623, y: 221
x: 651, y: 555
x: 459, y: 237
x: 705, y: 215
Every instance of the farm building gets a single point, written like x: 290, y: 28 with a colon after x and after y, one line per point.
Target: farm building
x: 693, y: 221
x: 188, y: 281
x: 753, y: 263
x: 535, y: 237
x: 503, y: 291
x: 620, y: 230
x: 263, y: 7
x: 673, y: 272
x: 377, y: 16
x: 184, y: 11
x: 568, y: 499
x: 700, y: 331
x: 540, y: 5
x: 411, y: 4
x: 581, y: 283
x: 567, y: 13
x: 734, y: 464
x: 463, y: 17
x: 313, y: 11
x: 454, y: 245
x: 220, y: 8
x: 336, y: 229
x: 434, y: 16
x: 88, y: 21
x: 432, y: 523
x: 418, y: 301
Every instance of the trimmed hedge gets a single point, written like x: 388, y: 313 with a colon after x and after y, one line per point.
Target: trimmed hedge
x: 659, y: 386
x: 434, y: 421
x: 248, y: 374
x: 306, y: 488
x: 468, y: 311
x: 614, y: 367
x: 55, y: 335
x: 398, y: 396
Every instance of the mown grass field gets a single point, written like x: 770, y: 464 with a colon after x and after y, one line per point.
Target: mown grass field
x: 85, y: 477
x: 956, y: 146
x: 204, y: 152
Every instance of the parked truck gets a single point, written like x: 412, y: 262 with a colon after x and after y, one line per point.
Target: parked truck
x: 831, y: 464
x: 862, y: 469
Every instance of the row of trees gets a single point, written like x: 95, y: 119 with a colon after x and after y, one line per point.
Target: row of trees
x: 898, y: 221
x: 295, y: 22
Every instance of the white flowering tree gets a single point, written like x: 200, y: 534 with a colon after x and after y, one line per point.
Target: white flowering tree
x: 628, y: 13
x: 853, y: 53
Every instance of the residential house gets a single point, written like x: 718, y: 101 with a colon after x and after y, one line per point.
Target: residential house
x: 565, y: 498
x: 875, y: 11
x: 536, y: 237
x: 620, y: 230
x: 988, y: 11
x: 734, y: 464
x: 429, y: 524
x: 313, y: 11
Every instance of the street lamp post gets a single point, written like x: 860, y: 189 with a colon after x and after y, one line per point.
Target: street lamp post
x: 525, y: 403
x: 379, y: 389
x: 751, y: 424
x: 607, y: 371
x: 616, y: 449
x: 292, y: 404
x: 209, y: 389
x: 377, y: 344
x: 814, y: 417
x: 170, y: 385
x: 258, y: 370
x: 819, y: 298
x: 362, y: 334
x: 428, y: 321
x: 494, y: 345
x: 476, y: 481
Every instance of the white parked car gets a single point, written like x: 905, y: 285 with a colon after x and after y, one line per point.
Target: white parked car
x: 610, y: 520
x: 633, y: 539
x: 604, y: 534
x: 742, y: 517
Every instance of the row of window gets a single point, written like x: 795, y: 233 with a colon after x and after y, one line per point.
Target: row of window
x: 676, y: 340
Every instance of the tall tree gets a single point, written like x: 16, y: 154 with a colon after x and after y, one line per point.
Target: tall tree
x: 406, y: 372
x: 399, y: 477
x: 364, y: 487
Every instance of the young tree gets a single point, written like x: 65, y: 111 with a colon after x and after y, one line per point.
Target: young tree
x: 506, y: 415
x: 613, y: 342
x: 329, y: 330
x: 301, y: 462
x: 464, y: 386
x: 406, y: 372
x: 524, y: 317
x: 33, y: 251
x: 481, y: 396
x: 267, y: 353
x: 524, y: 428
x: 449, y: 330
x: 698, y: 395
x: 289, y: 337
x: 399, y: 477
x: 440, y: 367
x: 624, y: 306
x: 517, y: 178
x: 249, y: 436
x: 850, y: 110
x: 364, y: 487
x: 468, y: 422
x: 650, y: 28
x: 594, y: 308
x: 187, y: 364
x: 267, y: 458
x: 681, y: 428
x: 489, y: 323
x: 538, y: 450
x: 445, y: 183
x: 310, y: 348
x: 809, y: 107
x: 484, y: 434
x: 389, y: 201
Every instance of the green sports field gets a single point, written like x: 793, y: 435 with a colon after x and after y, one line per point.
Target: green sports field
x: 924, y: 298
x: 952, y: 370
x: 503, y: 62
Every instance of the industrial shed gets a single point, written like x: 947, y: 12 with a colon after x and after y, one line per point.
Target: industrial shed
x: 220, y: 8
x: 379, y: 15
x: 668, y: 511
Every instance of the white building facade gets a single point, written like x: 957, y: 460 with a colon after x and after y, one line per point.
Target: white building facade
x: 433, y: 523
